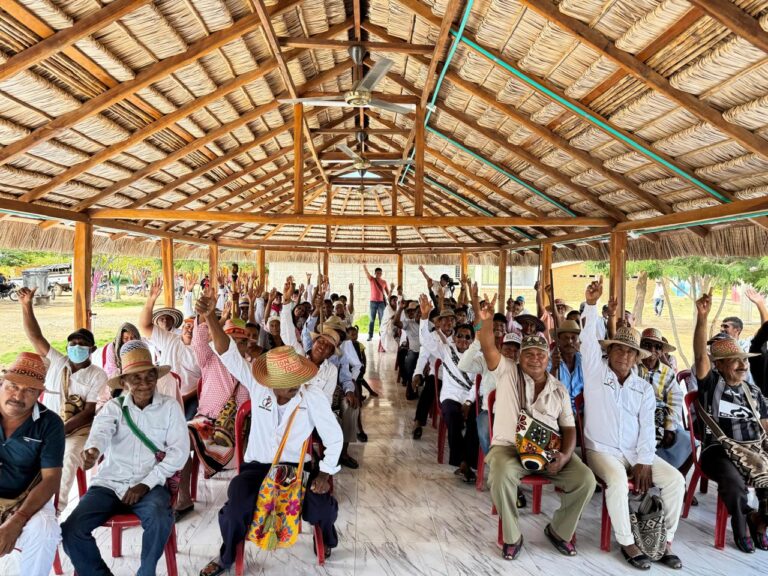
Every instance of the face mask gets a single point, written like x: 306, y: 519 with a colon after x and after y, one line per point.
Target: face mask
x: 78, y: 354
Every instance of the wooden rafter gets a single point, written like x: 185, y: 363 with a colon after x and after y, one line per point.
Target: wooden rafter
x: 736, y: 20
x: 317, y: 44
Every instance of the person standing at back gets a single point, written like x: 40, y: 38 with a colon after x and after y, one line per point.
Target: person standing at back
x: 379, y: 295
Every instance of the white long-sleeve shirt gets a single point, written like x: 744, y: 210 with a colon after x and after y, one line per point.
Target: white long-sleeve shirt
x: 288, y: 330
x: 268, y: 420
x: 437, y: 347
x: 473, y: 361
x: 127, y: 461
x: 618, y: 418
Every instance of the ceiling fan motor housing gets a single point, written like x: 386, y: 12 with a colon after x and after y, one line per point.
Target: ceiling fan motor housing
x: 357, y: 97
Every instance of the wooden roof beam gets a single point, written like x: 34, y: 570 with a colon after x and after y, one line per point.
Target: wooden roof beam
x: 317, y: 44
x: 736, y: 20
x: 648, y: 75
x: 146, y: 77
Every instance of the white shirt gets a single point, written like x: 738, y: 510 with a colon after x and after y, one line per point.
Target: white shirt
x: 437, y: 347
x: 172, y: 351
x: 658, y: 291
x: 325, y: 380
x: 266, y: 428
x: 86, y: 382
x: 288, y: 330
x: 127, y: 461
x: 473, y: 361
x: 618, y: 419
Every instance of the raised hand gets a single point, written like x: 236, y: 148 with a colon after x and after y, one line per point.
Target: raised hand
x: 26, y: 296
x: 425, y: 304
x: 155, y: 288
x: 351, y: 286
x: 754, y: 296
x: 220, y: 278
x: 288, y: 290
x: 486, y: 308
x: 309, y: 277
x: 191, y: 282
x: 704, y: 304
x: 206, y: 304
x: 227, y: 310
x: 594, y: 291
x: 613, y: 306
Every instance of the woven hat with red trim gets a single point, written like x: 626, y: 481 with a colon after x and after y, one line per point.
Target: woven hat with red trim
x: 728, y: 348
x: 27, y: 370
x: 135, y: 357
x: 654, y: 335
x: 283, y: 367
x: 235, y: 331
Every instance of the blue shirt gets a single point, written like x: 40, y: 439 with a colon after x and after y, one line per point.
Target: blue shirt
x: 573, y: 382
x: 37, y: 443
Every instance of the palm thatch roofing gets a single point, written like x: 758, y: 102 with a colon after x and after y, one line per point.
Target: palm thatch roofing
x: 618, y: 110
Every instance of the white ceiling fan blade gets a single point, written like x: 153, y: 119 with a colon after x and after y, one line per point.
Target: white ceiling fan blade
x: 391, y: 107
x: 375, y: 75
x: 389, y: 162
x: 348, y: 151
x: 317, y: 100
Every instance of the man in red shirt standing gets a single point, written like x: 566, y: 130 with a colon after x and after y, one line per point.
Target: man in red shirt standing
x: 379, y: 295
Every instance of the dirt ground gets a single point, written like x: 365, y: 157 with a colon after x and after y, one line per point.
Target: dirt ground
x: 56, y: 321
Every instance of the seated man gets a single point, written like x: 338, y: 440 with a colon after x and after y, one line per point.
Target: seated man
x: 143, y: 438
x: 276, y: 386
x: 457, y: 394
x: 72, y: 387
x: 565, y: 363
x: 548, y: 401
x: 31, y: 456
x: 741, y: 412
x: 674, y: 445
x: 619, y: 431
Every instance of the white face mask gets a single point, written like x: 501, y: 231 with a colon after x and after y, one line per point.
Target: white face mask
x: 78, y: 354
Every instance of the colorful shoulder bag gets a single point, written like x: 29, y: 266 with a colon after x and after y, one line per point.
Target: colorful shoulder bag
x: 277, y: 517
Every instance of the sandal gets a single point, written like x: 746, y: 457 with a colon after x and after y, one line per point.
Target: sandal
x: 745, y: 544
x: 512, y: 551
x: 671, y: 561
x: 213, y: 568
x: 759, y: 539
x: 641, y: 561
x: 469, y: 477
x: 564, y: 547
x: 179, y: 515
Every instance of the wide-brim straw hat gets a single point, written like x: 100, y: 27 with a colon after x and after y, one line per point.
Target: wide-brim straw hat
x: 446, y: 313
x: 135, y: 357
x: 335, y: 323
x: 728, y: 348
x: 654, y: 335
x: 329, y: 334
x: 628, y: 337
x: 530, y: 318
x: 282, y: 368
x: 178, y: 317
x: 568, y: 326
x: 27, y: 370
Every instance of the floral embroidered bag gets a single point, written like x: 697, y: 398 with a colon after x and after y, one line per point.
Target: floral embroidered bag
x: 277, y: 517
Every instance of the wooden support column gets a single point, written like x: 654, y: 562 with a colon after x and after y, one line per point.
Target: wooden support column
x: 464, y: 265
x: 326, y: 262
x: 328, y: 208
x: 419, y: 160
x: 166, y: 254
x: 618, y: 252
x: 261, y: 262
x: 545, y: 265
x: 298, y: 159
x: 400, y: 271
x: 502, y: 293
x: 213, y: 262
x: 81, y: 274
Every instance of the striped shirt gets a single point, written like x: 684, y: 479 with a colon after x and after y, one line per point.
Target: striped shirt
x: 667, y: 391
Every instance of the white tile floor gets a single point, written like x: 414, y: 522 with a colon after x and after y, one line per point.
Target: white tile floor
x: 403, y: 514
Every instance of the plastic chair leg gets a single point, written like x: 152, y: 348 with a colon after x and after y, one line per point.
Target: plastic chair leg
x: 319, y: 545
x: 494, y: 512
x: 170, y: 553
x: 240, y: 559
x: 435, y: 416
x: 690, y: 493
x: 57, y: 569
x: 721, y: 524
x: 480, y: 484
x: 82, y: 483
x: 538, y: 491
x: 605, y: 528
x: 194, y: 473
x: 117, y: 542
x: 441, y: 435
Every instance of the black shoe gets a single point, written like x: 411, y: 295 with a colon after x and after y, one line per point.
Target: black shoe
x: 213, y: 568
x: 349, y: 462
x: 362, y: 437
x: 521, y: 501
x: 374, y: 394
x: 641, y: 561
x: 512, y: 551
x: 760, y: 540
x: 417, y: 433
x: 671, y: 561
x: 179, y: 515
x: 410, y: 394
x: 745, y: 544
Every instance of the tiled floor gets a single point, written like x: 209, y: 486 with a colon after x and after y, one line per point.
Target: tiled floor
x: 403, y: 514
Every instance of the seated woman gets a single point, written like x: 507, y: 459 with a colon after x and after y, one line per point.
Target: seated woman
x: 740, y: 411
x: 276, y: 383
x: 125, y: 333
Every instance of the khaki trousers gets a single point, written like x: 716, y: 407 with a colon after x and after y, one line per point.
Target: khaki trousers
x: 73, y: 459
x: 575, y: 480
x: 613, y: 471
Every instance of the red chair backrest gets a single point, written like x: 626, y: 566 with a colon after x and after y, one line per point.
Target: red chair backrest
x: 438, y: 363
x: 104, y: 355
x: 242, y: 414
x: 177, y: 378
x: 578, y: 403
x: 478, y: 379
x: 690, y: 400
x: 491, y: 403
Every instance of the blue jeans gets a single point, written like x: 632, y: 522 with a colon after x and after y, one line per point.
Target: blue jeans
x: 96, y: 507
x: 375, y: 308
x: 483, y: 433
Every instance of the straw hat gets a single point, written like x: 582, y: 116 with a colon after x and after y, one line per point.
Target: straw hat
x: 530, y: 318
x: 235, y: 331
x: 283, y: 367
x: 27, y: 370
x: 329, y: 334
x: 447, y: 313
x: 728, y: 348
x: 335, y: 323
x: 654, y: 335
x: 412, y: 305
x: 135, y: 357
x: 178, y: 317
x: 627, y: 337
x: 569, y: 326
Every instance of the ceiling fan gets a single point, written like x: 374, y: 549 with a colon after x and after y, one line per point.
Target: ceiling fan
x: 361, y: 164
x: 360, y: 96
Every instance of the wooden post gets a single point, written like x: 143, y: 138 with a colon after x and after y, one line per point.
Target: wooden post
x: 81, y: 274
x: 419, y: 160
x: 400, y: 271
x: 618, y: 251
x: 394, y: 211
x: 328, y: 209
x: 464, y: 265
x: 261, y: 262
x: 169, y: 281
x: 545, y: 268
x: 213, y: 262
x: 298, y: 159
x: 502, y: 298
x: 326, y: 262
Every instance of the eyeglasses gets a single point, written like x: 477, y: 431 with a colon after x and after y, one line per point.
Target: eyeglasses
x: 651, y: 346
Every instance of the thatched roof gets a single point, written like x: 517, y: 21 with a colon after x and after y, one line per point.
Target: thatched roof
x: 616, y: 109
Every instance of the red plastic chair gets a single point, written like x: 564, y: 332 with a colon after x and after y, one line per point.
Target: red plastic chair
x: 195, y: 470
x: 82, y: 488
x: 480, y: 482
x: 437, y: 419
x: 242, y: 414
x: 605, y: 518
x: 721, y: 516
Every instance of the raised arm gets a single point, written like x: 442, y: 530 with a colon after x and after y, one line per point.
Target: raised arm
x: 591, y: 354
x: 485, y: 333
x: 31, y: 326
x: 539, y: 299
x: 700, y: 356
x: 351, y: 306
x: 427, y: 339
x: 758, y: 300
x: 397, y: 321
x: 145, y: 316
x: 367, y: 273
x: 206, y: 307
